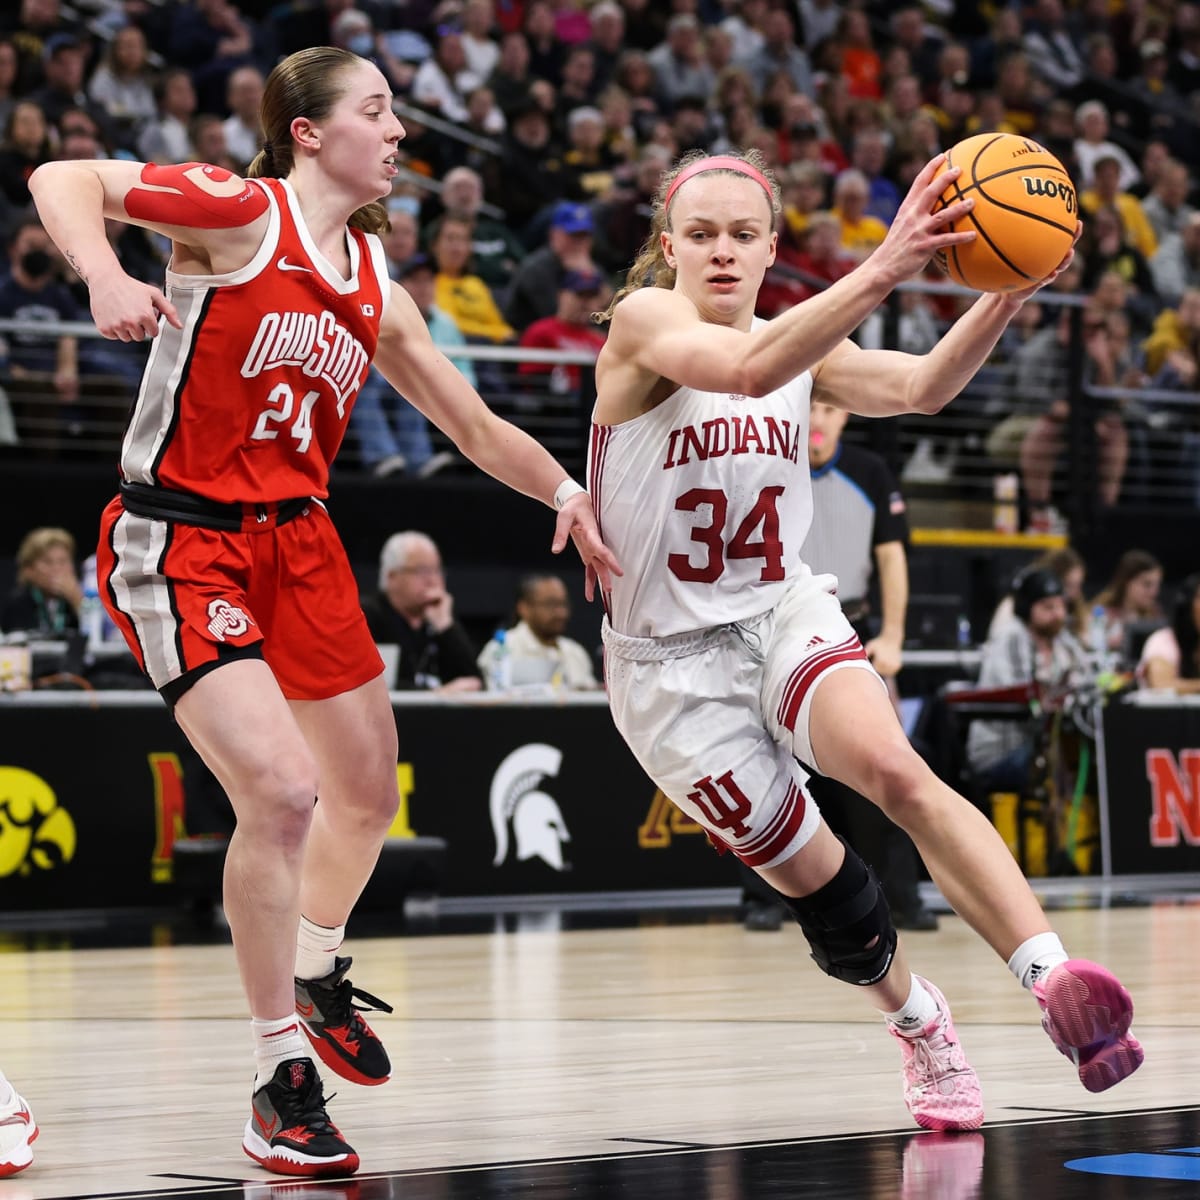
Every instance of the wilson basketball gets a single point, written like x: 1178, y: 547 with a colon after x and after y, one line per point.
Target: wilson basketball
x: 1024, y: 216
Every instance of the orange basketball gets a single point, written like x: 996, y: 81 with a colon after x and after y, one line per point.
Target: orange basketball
x: 1024, y: 216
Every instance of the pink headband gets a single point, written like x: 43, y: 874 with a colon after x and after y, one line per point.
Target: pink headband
x: 719, y: 162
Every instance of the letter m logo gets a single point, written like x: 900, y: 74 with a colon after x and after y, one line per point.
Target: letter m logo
x: 723, y: 804
x: 1174, y: 797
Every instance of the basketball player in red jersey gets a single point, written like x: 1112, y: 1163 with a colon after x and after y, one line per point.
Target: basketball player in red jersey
x: 218, y: 560
x: 727, y: 660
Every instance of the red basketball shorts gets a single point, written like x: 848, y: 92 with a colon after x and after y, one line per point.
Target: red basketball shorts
x: 181, y: 593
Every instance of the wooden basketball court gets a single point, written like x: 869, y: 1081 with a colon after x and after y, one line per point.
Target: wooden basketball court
x: 665, y: 1055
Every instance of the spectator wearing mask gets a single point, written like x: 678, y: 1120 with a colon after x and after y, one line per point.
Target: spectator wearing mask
x: 413, y: 610
x: 41, y: 370
x: 1035, y: 650
x: 537, y: 649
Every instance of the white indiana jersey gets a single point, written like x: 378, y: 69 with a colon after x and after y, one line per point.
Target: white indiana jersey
x: 705, y: 501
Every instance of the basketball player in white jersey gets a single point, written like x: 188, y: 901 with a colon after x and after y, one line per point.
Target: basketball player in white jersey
x: 727, y: 659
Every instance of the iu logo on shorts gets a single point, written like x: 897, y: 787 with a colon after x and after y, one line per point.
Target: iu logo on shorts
x: 723, y: 803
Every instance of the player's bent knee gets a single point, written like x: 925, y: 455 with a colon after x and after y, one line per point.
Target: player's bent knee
x: 848, y: 924
x: 895, y: 776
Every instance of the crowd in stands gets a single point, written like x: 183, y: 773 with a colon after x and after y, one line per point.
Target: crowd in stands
x: 537, y: 131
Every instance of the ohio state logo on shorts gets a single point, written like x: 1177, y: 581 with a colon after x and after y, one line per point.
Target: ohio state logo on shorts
x: 226, y: 620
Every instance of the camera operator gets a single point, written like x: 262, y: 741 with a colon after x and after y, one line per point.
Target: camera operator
x: 1037, y: 650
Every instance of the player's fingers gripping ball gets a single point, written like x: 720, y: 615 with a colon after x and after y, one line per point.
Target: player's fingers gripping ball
x: 1024, y: 218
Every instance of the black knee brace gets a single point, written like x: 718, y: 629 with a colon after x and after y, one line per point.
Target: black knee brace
x: 840, y: 921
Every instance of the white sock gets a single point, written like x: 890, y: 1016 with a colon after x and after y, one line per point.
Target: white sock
x: 918, y: 1010
x: 1035, y: 956
x: 275, y: 1041
x: 316, y: 948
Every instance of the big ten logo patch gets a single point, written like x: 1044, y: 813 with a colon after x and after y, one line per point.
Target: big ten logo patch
x: 1174, y: 797
x: 662, y: 822
x: 517, y: 801
x: 35, y: 832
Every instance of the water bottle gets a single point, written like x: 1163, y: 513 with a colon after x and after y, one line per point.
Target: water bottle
x: 499, y: 664
x: 91, y: 611
x: 1098, y: 641
x: 963, y: 632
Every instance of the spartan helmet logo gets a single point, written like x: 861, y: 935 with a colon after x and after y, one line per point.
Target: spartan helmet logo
x: 536, y: 818
x: 34, y: 831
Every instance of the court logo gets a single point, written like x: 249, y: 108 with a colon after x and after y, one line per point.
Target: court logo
x: 1175, y: 1163
x: 1174, y: 797
x: 34, y: 831
x: 226, y: 620
x: 517, y: 800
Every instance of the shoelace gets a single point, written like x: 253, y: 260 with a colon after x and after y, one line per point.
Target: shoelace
x: 937, y: 1057
x: 305, y: 1106
x: 343, y: 1011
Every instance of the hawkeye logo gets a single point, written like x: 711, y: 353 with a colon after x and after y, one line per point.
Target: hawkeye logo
x: 517, y: 799
x: 34, y: 831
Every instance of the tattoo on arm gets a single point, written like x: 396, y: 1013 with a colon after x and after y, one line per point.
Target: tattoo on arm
x: 74, y: 265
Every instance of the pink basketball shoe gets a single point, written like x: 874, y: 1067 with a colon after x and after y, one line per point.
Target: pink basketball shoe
x: 1087, y: 1013
x: 941, y: 1088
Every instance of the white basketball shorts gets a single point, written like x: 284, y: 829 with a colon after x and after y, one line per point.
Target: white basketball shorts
x: 717, y: 717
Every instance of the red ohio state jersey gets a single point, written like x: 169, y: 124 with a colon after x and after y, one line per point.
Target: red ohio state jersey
x: 249, y: 401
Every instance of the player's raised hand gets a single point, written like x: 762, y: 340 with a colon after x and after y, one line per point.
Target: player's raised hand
x: 917, y: 232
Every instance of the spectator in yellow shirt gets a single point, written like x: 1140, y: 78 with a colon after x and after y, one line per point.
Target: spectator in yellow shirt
x: 464, y: 297
x: 860, y: 232
x: 1106, y: 190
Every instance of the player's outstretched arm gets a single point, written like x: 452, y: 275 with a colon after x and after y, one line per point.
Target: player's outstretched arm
x: 882, y: 383
x: 659, y: 331
x: 409, y: 361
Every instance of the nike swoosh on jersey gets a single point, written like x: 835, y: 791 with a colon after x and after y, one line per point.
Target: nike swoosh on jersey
x: 284, y: 265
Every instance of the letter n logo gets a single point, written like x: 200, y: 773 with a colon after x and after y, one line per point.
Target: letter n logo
x: 723, y: 804
x: 1174, y: 797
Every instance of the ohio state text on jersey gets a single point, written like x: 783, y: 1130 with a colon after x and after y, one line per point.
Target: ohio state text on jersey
x: 249, y: 401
